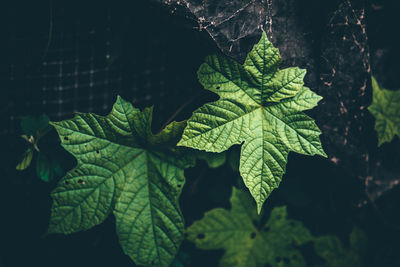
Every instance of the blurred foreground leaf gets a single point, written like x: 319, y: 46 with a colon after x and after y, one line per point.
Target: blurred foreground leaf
x: 245, y: 241
x: 332, y: 250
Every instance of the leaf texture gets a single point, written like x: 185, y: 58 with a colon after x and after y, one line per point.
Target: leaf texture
x: 123, y: 168
x: 246, y: 241
x: 260, y: 106
x: 385, y: 108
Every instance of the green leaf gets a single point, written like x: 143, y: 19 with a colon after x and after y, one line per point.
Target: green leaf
x: 123, y: 168
x: 47, y: 168
x: 260, y: 106
x: 26, y: 159
x: 385, y: 108
x: 332, y: 250
x: 182, y: 259
x: 214, y: 160
x: 36, y: 126
x: 245, y: 244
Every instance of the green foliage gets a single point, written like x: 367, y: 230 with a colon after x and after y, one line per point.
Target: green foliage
x: 182, y: 259
x: 25, y: 159
x: 214, y: 160
x: 246, y: 241
x: 123, y: 168
x: 385, y: 108
x: 332, y: 250
x: 260, y: 106
x: 48, y: 166
x: 36, y: 126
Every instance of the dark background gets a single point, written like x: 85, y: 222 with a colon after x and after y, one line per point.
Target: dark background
x: 59, y: 57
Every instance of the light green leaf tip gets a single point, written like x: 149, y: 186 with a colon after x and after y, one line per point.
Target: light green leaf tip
x: 123, y: 168
x: 25, y: 160
x: 245, y: 240
x: 260, y: 107
x: 385, y: 108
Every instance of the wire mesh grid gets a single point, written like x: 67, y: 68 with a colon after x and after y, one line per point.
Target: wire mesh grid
x: 77, y: 72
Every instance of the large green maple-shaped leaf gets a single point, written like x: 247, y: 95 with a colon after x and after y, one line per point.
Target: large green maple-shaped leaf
x: 385, y: 108
x: 245, y: 244
x: 261, y: 106
x: 123, y: 168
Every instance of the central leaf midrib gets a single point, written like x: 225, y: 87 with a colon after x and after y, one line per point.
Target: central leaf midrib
x: 151, y: 209
x: 263, y: 159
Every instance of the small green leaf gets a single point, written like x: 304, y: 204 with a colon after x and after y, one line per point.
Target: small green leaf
x: 123, y: 168
x: 260, y: 106
x: 26, y: 159
x: 36, y: 126
x: 47, y: 168
x: 214, y: 160
x: 385, y: 108
x: 332, y: 250
x: 245, y: 241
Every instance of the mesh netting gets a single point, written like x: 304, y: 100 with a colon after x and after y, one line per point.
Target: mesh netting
x: 82, y: 66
